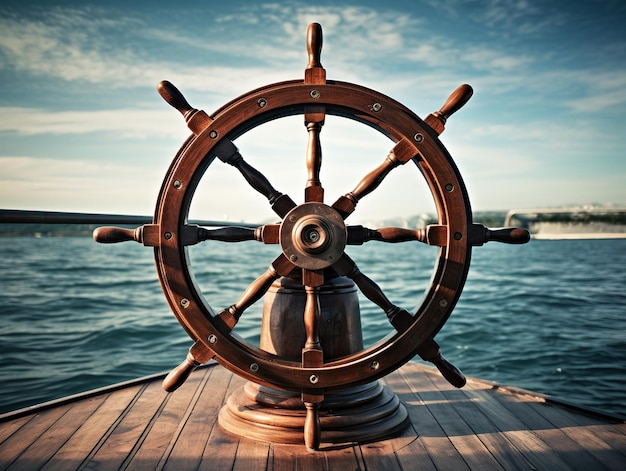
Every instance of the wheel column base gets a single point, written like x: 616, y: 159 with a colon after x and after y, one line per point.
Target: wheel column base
x: 361, y: 414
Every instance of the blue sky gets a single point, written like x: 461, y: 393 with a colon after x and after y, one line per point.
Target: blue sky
x: 83, y: 129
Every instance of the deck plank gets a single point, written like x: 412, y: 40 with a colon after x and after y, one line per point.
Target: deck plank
x: 580, y: 446
x: 535, y: 450
x: 567, y: 449
x: 251, y: 454
x: 10, y: 428
x: 188, y: 450
x: 28, y: 433
x: 408, y: 447
x: 139, y: 427
x: 380, y: 455
x: 38, y: 453
x: 410, y: 451
x: 475, y: 453
x: 127, y: 431
x: 499, y: 446
x: 293, y: 458
x: 605, y: 438
x: 149, y: 454
x: 345, y: 458
x: 413, y: 390
x: 283, y: 458
x: 221, y: 448
x: 92, y: 431
x: 220, y: 452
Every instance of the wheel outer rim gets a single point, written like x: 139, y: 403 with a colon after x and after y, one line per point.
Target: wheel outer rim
x: 356, y: 103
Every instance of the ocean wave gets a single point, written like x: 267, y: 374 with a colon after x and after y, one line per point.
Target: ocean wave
x: 548, y: 316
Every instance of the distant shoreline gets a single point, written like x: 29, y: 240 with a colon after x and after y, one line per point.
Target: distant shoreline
x: 47, y: 230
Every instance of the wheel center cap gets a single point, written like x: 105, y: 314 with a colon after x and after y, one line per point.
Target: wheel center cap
x: 313, y: 236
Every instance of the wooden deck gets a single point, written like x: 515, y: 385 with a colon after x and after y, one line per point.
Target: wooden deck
x: 483, y: 426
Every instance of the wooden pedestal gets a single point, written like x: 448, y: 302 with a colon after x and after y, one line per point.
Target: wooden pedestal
x: 359, y: 414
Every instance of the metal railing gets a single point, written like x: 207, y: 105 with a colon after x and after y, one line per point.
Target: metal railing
x: 18, y: 216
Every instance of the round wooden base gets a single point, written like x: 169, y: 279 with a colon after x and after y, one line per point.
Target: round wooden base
x: 361, y: 414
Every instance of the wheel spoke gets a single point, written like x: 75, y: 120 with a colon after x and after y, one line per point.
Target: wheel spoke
x: 197, y: 120
x: 191, y: 234
x: 454, y: 103
x: 312, y: 355
x: 198, y: 354
x: 314, y: 191
x: 148, y: 235
x: 399, y: 318
x: 279, y: 267
x: 227, y: 152
x: 436, y: 234
x: 431, y: 235
x: 479, y: 234
x: 429, y: 351
x: 314, y: 115
x: 400, y: 154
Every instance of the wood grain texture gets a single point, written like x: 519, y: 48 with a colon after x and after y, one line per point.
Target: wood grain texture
x: 482, y: 426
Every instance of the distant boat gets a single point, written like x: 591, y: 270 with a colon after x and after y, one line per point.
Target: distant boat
x: 571, y: 223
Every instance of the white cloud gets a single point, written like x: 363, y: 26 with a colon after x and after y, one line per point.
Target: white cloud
x: 600, y: 91
x: 544, y: 132
x: 75, y: 46
x: 364, y: 46
x: 482, y: 58
x: 135, y: 123
x: 518, y: 110
x: 78, y: 185
x: 524, y: 17
x: 598, y: 102
x: 64, y: 43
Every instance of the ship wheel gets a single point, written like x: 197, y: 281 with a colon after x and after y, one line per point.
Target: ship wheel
x: 312, y: 236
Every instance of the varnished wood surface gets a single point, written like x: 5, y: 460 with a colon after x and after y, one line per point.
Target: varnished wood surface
x: 482, y: 426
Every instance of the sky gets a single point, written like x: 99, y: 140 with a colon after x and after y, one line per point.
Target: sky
x: 82, y: 127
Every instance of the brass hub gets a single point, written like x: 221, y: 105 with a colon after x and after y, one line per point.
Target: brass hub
x: 313, y: 236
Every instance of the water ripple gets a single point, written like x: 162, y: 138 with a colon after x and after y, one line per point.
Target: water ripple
x: 548, y: 316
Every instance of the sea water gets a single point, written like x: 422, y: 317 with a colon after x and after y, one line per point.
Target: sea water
x: 549, y: 316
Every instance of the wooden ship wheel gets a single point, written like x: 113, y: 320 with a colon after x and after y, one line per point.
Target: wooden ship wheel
x: 308, y: 382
